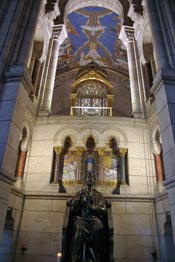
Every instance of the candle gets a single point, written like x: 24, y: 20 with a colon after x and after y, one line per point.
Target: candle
x: 59, y: 257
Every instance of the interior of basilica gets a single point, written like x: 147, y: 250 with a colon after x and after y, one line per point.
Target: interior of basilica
x: 87, y: 130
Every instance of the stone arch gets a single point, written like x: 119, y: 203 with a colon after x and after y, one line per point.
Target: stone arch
x: 114, y: 6
x: 25, y: 137
x: 93, y: 133
x: 65, y: 132
x: 119, y: 135
x: 155, y: 138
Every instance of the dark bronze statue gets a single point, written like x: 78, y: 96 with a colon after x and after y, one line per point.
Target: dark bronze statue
x: 87, y: 235
x: 88, y: 240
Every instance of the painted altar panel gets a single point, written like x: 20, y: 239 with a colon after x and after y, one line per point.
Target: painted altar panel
x: 109, y: 167
x: 70, y: 168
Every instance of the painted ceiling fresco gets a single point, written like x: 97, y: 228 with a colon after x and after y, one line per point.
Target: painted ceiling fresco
x: 92, y: 37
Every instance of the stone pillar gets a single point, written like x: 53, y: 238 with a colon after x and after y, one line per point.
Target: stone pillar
x: 100, y: 152
x: 79, y: 151
x: 163, y: 89
x: 21, y: 164
x: 20, y: 169
x: 159, y: 167
x: 158, y: 42
x: 58, y: 151
x: 123, y: 174
x: 59, y: 34
x: 128, y: 38
x: 24, y: 52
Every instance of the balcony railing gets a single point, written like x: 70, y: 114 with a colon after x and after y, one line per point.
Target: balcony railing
x: 91, y: 110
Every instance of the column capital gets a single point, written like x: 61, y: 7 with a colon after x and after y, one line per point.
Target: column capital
x: 122, y: 152
x: 79, y: 150
x: 59, y: 33
x: 127, y: 34
x: 101, y: 150
x: 58, y: 150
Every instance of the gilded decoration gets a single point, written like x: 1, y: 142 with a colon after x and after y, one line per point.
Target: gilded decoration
x: 92, y: 93
x: 58, y: 150
x: 109, y: 167
x: 92, y: 75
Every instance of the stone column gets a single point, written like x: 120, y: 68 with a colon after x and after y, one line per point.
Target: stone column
x: 31, y: 23
x: 20, y: 169
x: 21, y: 164
x: 163, y: 89
x: 128, y: 38
x: 58, y: 151
x: 79, y: 151
x: 158, y: 42
x: 59, y: 34
x: 100, y: 152
x: 123, y: 175
x: 159, y: 167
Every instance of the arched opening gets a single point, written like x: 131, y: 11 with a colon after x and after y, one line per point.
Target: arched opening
x: 115, y: 6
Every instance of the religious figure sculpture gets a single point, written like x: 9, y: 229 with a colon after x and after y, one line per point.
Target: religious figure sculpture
x: 88, y: 238
x: 87, y: 230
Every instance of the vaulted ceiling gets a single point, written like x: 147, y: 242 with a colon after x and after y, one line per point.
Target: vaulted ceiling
x: 93, y: 35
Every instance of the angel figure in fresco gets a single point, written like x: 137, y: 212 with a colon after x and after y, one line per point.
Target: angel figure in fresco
x: 110, y: 170
x: 70, y: 167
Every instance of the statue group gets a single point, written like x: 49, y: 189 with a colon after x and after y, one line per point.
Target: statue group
x: 87, y: 234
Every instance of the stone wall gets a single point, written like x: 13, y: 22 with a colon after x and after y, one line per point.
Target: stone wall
x: 133, y: 213
x: 131, y: 134
x: 133, y: 219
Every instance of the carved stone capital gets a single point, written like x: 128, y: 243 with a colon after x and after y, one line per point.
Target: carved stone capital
x: 122, y: 152
x: 127, y: 34
x: 79, y: 151
x: 59, y: 33
x: 101, y: 151
x: 58, y: 150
